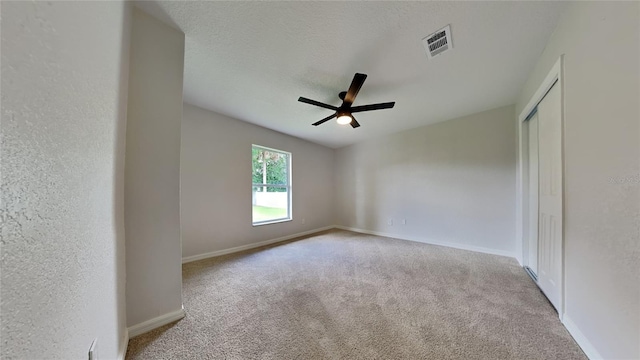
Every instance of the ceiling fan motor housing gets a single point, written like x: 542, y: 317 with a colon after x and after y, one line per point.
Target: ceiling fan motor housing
x: 343, y: 112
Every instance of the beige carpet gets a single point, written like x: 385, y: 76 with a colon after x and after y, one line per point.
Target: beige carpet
x: 341, y: 295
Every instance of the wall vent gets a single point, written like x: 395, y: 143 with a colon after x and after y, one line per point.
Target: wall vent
x: 438, y: 42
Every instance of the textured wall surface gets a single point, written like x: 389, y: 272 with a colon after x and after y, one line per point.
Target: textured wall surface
x: 64, y: 71
x: 152, y: 176
x: 602, y: 175
x: 216, y: 183
x: 452, y: 182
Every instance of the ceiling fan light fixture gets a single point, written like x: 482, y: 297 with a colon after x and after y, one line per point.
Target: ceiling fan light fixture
x: 344, y: 119
x: 344, y: 111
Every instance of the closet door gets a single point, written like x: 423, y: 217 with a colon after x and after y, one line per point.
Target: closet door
x: 532, y: 261
x: 550, y: 196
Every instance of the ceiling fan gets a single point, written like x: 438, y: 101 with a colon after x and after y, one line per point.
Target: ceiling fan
x: 344, y: 112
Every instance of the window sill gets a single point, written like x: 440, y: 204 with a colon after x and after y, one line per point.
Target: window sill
x: 272, y: 222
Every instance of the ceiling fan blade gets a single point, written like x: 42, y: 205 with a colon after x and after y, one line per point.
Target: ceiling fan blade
x: 387, y: 105
x: 324, y: 120
x: 356, y: 84
x: 354, y: 123
x: 317, y: 103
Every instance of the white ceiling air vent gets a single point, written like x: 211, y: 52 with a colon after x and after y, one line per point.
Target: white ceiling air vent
x: 438, y: 42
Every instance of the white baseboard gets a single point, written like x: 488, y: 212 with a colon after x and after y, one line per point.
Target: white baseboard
x: 520, y: 261
x: 192, y: 258
x: 122, y: 352
x: 432, y: 242
x: 188, y: 259
x: 155, y: 323
x: 581, y: 339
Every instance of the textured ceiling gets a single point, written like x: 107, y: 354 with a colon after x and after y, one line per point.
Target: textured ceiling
x: 252, y: 60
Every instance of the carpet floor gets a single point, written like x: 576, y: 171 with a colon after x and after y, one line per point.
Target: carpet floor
x: 342, y: 295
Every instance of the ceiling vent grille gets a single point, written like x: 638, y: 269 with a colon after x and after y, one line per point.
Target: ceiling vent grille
x: 438, y: 42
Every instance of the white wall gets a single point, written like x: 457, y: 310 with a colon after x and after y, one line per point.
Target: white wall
x: 64, y: 94
x: 602, y: 128
x: 453, y: 183
x: 152, y: 183
x: 216, y: 183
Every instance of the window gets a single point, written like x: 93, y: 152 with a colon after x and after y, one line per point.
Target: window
x: 271, y: 188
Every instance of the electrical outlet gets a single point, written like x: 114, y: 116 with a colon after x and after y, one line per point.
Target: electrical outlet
x: 404, y: 221
x: 390, y: 222
x: 304, y: 221
x: 93, y: 350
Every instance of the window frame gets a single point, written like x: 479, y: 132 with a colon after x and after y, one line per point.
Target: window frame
x: 287, y: 186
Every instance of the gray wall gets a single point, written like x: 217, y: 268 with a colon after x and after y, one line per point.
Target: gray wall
x: 152, y: 184
x: 64, y: 95
x: 216, y: 183
x: 453, y: 182
x: 602, y: 159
